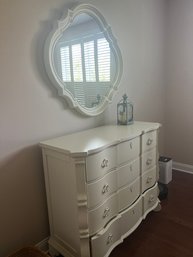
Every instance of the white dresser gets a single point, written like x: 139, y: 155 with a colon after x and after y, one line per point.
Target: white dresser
x: 100, y: 184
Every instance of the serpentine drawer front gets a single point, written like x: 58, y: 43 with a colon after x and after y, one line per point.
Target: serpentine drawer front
x: 128, y: 173
x: 99, y: 191
x: 100, y: 185
x: 99, y: 217
x: 129, y: 194
x: 99, y: 164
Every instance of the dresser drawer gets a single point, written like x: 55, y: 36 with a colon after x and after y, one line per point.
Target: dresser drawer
x: 100, y: 163
x: 128, y: 150
x: 99, y: 217
x: 101, y: 189
x: 149, y: 159
x: 131, y: 217
x: 128, y: 173
x: 104, y: 242
x: 150, y: 199
x: 129, y: 194
x: 149, y: 140
x: 149, y: 179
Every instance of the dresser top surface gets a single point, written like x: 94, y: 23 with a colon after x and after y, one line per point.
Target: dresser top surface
x: 96, y: 139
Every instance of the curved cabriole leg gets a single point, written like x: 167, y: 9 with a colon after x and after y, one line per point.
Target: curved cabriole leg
x: 158, y: 208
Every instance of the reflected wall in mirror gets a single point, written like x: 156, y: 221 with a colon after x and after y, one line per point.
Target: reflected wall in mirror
x: 83, y: 60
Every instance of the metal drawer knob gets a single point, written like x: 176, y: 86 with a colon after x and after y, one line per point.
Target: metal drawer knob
x: 109, y: 239
x: 149, y: 179
x: 149, y: 161
x: 106, y: 212
x: 149, y: 141
x: 104, y: 163
x: 105, y: 188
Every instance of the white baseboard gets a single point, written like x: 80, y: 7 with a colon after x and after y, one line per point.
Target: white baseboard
x: 182, y: 167
x: 43, y: 245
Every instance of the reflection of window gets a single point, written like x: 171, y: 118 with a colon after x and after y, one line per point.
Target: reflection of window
x: 65, y: 61
x: 86, y: 61
x: 103, y: 60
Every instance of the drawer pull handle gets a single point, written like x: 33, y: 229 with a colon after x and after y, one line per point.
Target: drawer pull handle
x: 151, y: 198
x: 131, y: 189
x: 149, y: 141
x: 149, y: 161
x: 109, y: 239
x: 133, y: 211
x: 106, y: 212
x: 105, y: 188
x: 104, y: 163
x: 131, y: 145
x: 149, y: 179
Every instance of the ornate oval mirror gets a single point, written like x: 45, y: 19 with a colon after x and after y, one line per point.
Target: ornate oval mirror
x: 83, y: 60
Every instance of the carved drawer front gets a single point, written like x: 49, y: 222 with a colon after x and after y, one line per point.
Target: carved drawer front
x: 99, y: 217
x: 97, y: 165
x: 149, y: 140
x: 150, y: 198
x: 149, y: 159
x: 128, y: 173
x: 131, y: 217
x: 149, y: 179
x: 128, y: 150
x: 129, y: 194
x: 103, y: 243
x: 101, y: 189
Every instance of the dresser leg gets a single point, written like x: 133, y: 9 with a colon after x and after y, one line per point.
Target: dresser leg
x: 158, y: 208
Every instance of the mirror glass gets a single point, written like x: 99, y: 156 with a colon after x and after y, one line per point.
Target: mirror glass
x: 83, y: 60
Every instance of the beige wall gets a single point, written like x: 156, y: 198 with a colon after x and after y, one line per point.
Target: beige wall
x: 179, y: 123
x: 30, y: 110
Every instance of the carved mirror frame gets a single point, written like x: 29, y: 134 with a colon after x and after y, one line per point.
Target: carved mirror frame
x: 51, y: 41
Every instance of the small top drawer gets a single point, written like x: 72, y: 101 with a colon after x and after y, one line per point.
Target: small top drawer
x: 128, y: 150
x: 149, y: 140
x: 97, y: 165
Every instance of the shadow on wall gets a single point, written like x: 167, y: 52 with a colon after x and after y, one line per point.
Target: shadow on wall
x: 22, y: 198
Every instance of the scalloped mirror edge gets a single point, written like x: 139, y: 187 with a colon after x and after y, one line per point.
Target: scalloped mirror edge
x: 59, y: 27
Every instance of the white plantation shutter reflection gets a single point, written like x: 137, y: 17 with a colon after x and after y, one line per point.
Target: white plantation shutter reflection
x: 103, y: 60
x: 89, y: 60
x: 65, y: 63
x: 77, y: 63
x: 93, y: 59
